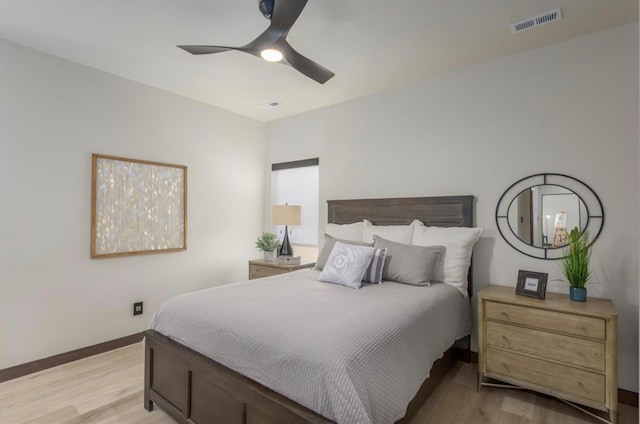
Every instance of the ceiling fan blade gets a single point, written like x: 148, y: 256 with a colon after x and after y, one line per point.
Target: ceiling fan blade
x: 206, y: 49
x: 285, y: 13
x: 265, y: 40
x: 305, y: 65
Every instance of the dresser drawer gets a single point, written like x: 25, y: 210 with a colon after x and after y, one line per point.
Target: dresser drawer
x: 570, y: 350
x: 565, y: 380
x: 547, y: 320
x: 257, y: 271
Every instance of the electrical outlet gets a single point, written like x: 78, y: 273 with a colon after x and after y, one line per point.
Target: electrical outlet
x: 137, y: 308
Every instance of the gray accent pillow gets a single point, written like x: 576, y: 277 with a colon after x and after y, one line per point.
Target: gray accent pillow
x: 409, y: 264
x: 347, y: 264
x: 329, y: 242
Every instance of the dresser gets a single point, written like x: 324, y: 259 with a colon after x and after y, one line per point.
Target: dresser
x: 554, y: 346
x: 259, y: 268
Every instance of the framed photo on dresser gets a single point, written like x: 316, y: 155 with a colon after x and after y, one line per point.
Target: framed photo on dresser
x: 532, y: 284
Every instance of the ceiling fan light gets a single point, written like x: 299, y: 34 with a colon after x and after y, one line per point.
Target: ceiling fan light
x: 271, y: 55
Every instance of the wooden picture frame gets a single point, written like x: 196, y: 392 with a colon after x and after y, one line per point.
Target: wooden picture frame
x: 137, y: 207
x: 532, y: 284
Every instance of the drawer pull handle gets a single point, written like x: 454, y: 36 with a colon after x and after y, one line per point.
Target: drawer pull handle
x: 504, y: 314
x: 506, y: 339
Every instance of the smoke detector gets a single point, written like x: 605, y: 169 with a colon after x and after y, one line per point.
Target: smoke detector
x: 271, y: 105
x: 536, y: 21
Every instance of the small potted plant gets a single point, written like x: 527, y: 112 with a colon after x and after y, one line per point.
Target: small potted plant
x: 268, y: 243
x: 575, y: 264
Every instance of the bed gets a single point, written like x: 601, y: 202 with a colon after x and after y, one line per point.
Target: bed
x: 182, y: 378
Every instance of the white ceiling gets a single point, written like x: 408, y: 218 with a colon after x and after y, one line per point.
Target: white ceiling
x: 371, y: 45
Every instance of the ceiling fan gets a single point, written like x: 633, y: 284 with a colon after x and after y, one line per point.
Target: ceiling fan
x: 272, y: 44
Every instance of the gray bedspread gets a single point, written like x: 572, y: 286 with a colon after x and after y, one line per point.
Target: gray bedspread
x: 353, y: 356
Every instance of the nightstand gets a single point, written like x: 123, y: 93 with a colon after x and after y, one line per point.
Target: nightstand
x: 260, y: 268
x: 554, y: 346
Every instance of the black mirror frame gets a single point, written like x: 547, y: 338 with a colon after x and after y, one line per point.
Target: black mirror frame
x: 595, y: 212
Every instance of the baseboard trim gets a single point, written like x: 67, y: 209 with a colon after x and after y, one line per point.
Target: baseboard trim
x: 63, y: 358
x: 624, y: 396
x: 628, y: 397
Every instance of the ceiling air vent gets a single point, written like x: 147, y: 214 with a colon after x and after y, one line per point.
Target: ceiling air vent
x: 271, y: 105
x: 536, y: 21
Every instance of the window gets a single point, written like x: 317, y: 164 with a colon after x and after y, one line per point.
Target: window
x: 297, y: 183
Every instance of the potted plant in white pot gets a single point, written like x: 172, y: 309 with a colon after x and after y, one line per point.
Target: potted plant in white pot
x: 575, y: 264
x: 268, y: 243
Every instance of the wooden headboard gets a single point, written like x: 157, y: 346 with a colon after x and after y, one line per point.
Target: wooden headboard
x: 444, y: 211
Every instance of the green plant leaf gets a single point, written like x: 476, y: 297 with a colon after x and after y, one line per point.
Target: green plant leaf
x: 267, y: 242
x: 575, y: 264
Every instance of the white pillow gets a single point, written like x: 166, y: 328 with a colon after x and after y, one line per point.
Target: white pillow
x: 398, y: 233
x: 351, y: 232
x: 347, y: 265
x: 453, y: 266
x: 327, y: 247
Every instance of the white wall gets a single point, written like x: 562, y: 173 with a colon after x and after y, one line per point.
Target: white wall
x: 465, y: 133
x: 53, y: 115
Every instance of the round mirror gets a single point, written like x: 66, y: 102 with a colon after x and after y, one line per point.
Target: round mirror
x: 542, y: 215
x: 536, y: 214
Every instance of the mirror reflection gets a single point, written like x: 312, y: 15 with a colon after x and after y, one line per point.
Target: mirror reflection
x: 542, y: 215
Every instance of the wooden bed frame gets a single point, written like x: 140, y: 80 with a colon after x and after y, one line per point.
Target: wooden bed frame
x: 192, y: 388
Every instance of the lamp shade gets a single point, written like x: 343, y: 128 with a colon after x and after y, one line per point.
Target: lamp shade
x: 285, y: 215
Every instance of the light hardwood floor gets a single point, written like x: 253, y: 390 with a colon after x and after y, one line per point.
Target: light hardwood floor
x: 107, y: 389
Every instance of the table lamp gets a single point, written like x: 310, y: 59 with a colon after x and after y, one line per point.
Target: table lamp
x: 285, y: 215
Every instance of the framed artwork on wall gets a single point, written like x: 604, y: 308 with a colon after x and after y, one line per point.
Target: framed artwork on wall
x: 532, y: 284
x: 137, y: 207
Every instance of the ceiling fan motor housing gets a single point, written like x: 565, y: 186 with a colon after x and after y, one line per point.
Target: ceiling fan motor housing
x: 266, y: 8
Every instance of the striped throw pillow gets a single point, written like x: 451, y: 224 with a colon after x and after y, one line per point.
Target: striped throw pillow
x: 374, y: 272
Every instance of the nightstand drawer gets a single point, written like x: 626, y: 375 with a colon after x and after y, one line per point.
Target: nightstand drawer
x: 257, y: 271
x: 565, y: 380
x: 547, y: 320
x: 570, y: 350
